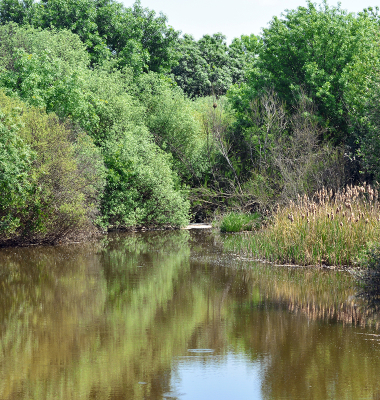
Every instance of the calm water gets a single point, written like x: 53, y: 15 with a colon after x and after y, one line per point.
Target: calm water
x: 172, y: 316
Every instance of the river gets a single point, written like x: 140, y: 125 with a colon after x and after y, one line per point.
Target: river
x: 173, y: 315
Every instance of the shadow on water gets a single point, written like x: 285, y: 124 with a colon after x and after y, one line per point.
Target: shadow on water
x: 150, y: 315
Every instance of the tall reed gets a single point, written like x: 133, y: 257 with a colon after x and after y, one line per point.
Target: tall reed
x: 328, y: 228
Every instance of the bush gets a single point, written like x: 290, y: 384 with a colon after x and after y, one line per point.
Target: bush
x: 60, y: 184
x: 171, y: 118
x: 141, y: 187
x: 238, y: 222
x: 16, y: 159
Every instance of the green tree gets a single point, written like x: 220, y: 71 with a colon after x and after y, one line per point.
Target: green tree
x: 171, y: 119
x: 141, y: 186
x: 135, y: 36
x: 311, y: 49
x: 209, y: 66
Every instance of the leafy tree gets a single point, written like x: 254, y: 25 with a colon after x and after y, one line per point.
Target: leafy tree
x: 171, y: 119
x: 311, y: 49
x: 105, y: 102
x: 15, y: 11
x: 369, y: 139
x: 135, y: 36
x: 210, y: 66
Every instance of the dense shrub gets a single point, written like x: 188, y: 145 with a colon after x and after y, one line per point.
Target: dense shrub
x: 114, y: 110
x: 141, y: 187
x: 60, y: 176
x: 171, y: 118
x: 15, y: 163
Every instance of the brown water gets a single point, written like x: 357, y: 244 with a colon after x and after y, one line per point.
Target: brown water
x: 172, y: 316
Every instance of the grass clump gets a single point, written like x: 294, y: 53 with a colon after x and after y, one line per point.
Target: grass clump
x: 328, y: 228
x: 238, y: 222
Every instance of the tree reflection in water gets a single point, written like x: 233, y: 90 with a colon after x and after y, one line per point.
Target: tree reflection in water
x: 116, y: 319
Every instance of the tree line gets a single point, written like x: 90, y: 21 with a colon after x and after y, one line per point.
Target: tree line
x: 109, y: 118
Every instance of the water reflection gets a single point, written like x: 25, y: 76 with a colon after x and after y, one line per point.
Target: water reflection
x: 170, y: 315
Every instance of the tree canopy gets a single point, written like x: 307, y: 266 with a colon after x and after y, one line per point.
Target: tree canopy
x: 209, y: 66
x: 135, y: 36
x: 318, y: 50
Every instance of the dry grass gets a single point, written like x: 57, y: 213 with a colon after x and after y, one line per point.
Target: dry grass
x: 329, y: 228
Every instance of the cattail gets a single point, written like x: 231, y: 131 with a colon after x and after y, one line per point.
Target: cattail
x: 328, y: 215
x: 341, y: 223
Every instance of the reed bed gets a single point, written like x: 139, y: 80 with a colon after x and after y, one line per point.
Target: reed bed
x: 327, y: 229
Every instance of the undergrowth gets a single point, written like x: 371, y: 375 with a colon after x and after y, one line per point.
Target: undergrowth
x: 238, y: 222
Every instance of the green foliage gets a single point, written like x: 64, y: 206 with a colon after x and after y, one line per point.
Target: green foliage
x: 368, y: 138
x: 133, y: 36
x: 141, y: 187
x: 170, y: 117
x: 317, y: 50
x: 60, y: 176
x: 102, y: 67
x: 114, y: 111
x: 15, y: 163
x: 47, y: 69
x: 238, y: 222
x: 210, y: 66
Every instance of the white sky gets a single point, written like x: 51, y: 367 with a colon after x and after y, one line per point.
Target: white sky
x: 232, y: 18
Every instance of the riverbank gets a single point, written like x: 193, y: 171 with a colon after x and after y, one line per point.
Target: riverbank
x: 331, y: 229
x: 92, y: 234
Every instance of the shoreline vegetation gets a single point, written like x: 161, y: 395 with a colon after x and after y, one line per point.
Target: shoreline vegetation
x: 112, y: 119
x: 328, y: 229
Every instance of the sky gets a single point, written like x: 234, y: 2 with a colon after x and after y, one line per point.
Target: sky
x: 234, y: 17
